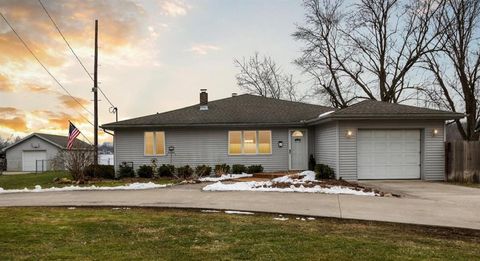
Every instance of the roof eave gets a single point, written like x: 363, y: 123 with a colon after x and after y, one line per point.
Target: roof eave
x: 386, y: 117
x: 202, y: 125
x: 30, y: 136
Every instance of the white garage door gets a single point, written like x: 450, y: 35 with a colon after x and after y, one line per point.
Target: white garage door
x: 29, y: 160
x: 388, y: 154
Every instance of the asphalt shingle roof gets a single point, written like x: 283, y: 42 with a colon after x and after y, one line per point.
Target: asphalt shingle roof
x: 249, y: 109
x: 243, y: 109
x: 62, y: 140
x: 373, y: 108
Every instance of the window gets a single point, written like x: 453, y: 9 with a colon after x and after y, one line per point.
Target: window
x: 154, y: 143
x: 264, y: 142
x: 235, y: 142
x: 249, y: 142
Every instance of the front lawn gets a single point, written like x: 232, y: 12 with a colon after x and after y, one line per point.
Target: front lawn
x: 152, y: 234
x: 46, y: 180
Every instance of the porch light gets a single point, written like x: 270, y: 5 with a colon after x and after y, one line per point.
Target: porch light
x: 280, y: 144
x: 349, y: 133
x: 434, y: 132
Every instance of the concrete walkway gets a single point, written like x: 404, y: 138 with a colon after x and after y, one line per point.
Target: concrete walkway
x: 429, y: 204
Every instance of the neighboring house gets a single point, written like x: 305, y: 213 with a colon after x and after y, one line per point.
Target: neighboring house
x: 37, y: 151
x: 368, y: 140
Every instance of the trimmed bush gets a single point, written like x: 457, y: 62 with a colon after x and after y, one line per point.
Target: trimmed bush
x: 166, y: 170
x: 125, y: 171
x: 254, y: 169
x: 101, y: 171
x: 222, y: 169
x: 324, y: 172
x: 145, y: 171
x: 238, y: 169
x: 203, y: 170
x: 311, y: 162
x: 185, y: 172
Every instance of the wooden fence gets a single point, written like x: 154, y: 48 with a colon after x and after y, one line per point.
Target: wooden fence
x: 462, y: 161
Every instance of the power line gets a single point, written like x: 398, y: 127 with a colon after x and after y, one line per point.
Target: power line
x: 73, y: 52
x: 45, y: 68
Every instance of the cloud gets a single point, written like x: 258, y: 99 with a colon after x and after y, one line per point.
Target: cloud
x: 5, y: 84
x: 37, y: 88
x: 69, y: 102
x: 174, y: 7
x: 202, y: 49
x: 13, y: 119
x: 58, y: 120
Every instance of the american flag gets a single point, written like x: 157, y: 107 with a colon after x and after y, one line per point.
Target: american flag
x: 73, y: 133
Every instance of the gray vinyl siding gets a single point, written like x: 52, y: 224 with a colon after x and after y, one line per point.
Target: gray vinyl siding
x: 326, y: 144
x: 432, y: 148
x: 198, y: 146
x: 14, y: 154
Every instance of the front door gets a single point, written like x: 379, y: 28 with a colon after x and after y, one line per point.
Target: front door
x: 298, y: 149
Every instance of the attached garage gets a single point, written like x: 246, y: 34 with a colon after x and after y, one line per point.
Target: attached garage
x: 34, y: 160
x: 388, y: 154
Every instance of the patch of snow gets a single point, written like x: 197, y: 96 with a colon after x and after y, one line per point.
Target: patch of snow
x: 71, y: 208
x: 132, y: 186
x: 238, y: 212
x: 120, y: 208
x: 225, y: 177
x: 210, y: 211
x: 325, y: 114
x: 266, y: 186
x: 280, y: 218
x: 304, y: 176
x: 311, y: 218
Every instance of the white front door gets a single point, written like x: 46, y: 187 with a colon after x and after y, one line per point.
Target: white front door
x: 388, y: 154
x: 30, y: 159
x: 298, y: 148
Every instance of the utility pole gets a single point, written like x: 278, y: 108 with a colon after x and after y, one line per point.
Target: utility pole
x: 95, y: 98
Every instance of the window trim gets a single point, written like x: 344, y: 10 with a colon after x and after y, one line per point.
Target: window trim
x: 242, y: 153
x: 154, y: 144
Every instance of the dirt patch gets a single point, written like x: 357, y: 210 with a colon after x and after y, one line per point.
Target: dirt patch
x: 328, y: 183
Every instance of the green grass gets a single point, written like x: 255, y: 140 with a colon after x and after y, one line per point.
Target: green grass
x: 45, y: 180
x: 21, y: 181
x: 152, y: 234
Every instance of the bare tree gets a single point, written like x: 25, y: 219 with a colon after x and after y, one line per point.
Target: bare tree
x: 76, y: 161
x: 262, y: 76
x: 456, y: 68
x: 369, y: 52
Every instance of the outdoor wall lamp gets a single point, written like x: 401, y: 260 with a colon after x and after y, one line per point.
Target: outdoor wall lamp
x: 349, y: 134
x: 280, y: 144
x: 434, y: 132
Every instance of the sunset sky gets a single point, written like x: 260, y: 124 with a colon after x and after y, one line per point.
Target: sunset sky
x: 154, y: 56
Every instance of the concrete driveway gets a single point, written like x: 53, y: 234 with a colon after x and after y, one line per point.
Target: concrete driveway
x: 424, y: 203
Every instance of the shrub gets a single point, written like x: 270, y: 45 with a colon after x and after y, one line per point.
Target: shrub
x: 101, y: 171
x: 166, y: 170
x: 311, y: 162
x: 185, y: 172
x: 324, y: 172
x: 145, y: 171
x: 203, y: 170
x: 254, y: 169
x: 222, y: 169
x: 238, y: 169
x: 125, y: 170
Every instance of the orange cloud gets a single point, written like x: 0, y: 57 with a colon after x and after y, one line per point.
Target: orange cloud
x: 15, y: 123
x: 37, y: 88
x: 69, y: 102
x: 59, y: 120
x: 12, y: 118
x: 5, y: 84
